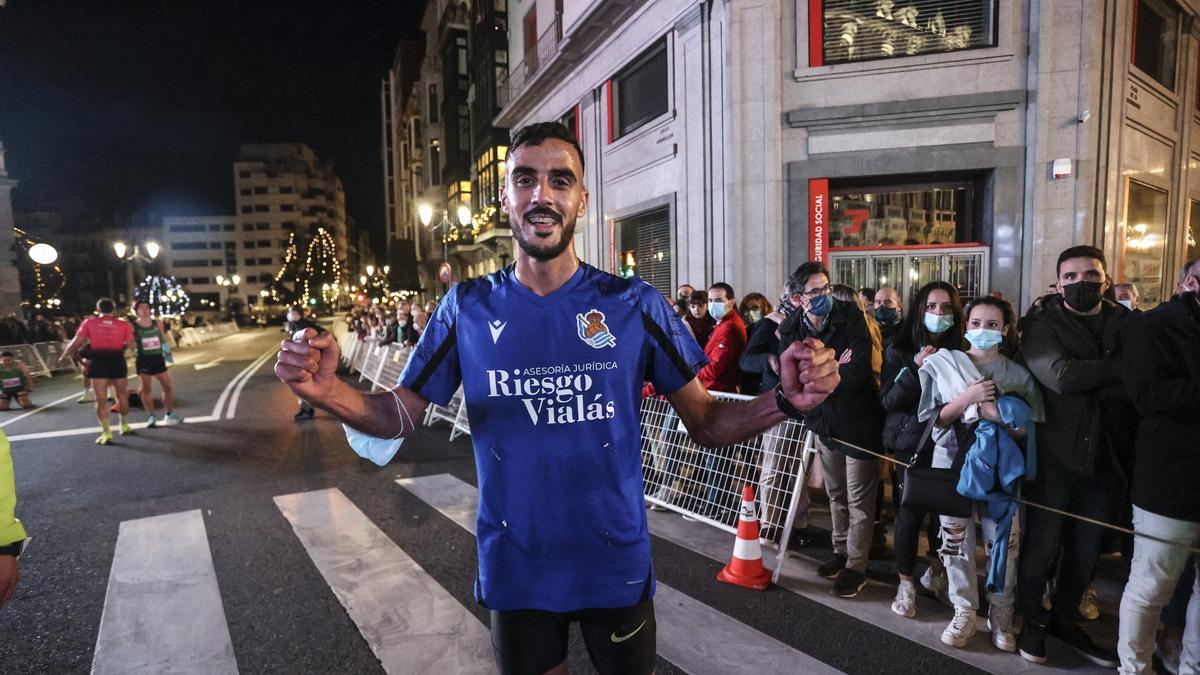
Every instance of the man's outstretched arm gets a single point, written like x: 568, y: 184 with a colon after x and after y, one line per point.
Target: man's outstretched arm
x: 308, y: 363
x: 808, y: 374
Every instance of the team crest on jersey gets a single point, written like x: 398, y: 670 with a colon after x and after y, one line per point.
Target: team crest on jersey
x: 591, y: 329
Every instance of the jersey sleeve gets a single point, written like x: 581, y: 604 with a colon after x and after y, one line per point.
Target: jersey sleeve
x: 85, y: 329
x: 434, y: 370
x: 675, y: 356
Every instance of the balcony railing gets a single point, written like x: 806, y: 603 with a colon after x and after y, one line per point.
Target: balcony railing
x: 537, y: 57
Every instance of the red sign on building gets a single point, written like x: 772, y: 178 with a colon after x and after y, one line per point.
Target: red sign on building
x: 818, y: 218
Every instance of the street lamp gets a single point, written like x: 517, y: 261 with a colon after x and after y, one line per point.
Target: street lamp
x: 370, y: 270
x: 425, y: 213
x: 135, y: 257
x: 43, y: 254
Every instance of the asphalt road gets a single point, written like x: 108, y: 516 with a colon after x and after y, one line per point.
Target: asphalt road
x: 241, y: 449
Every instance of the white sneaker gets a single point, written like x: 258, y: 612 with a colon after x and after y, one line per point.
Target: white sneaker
x: 1000, y: 623
x: 151, y: 422
x: 961, y: 628
x: 905, y: 603
x: 1089, y: 608
x: 935, y: 582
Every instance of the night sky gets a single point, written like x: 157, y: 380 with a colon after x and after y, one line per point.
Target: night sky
x: 136, y: 107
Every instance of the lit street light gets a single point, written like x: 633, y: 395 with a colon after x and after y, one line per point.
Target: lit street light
x: 425, y: 213
x: 135, y: 258
x: 43, y: 254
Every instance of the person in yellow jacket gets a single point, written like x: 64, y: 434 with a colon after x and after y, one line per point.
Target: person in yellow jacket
x: 12, y: 534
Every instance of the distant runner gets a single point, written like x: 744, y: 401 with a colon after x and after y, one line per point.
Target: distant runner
x: 109, y: 338
x: 152, y: 365
x: 552, y: 354
x: 15, y: 382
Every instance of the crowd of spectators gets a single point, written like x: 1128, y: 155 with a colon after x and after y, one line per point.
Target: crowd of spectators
x: 1087, y: 405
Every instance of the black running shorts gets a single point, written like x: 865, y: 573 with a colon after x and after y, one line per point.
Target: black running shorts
x: 620, y: 640
x: 108, y: 366
x: 151, y: 364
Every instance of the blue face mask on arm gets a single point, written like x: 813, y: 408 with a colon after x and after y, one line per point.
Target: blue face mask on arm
x: 380, y: 451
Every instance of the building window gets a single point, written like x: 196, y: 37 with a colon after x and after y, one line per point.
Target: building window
x: 1156, y: 40
x: 247, y: 209
x: 215, y: 245
x: 490, y: 171
x: 865, y: 30
x: 187, y: 228
x: 245, y: 191
x: 571, y: 121
x: 190, y: 263
x: 247, y: 244
x: 188, y: 245
x: 289, y: 225
x: 249, y: 261
x: 461, y: 43
x: 433, y: 104
x: 902, y: 215
x: 247, y: 227
x: 644, y: 242
x: 287, y: 207
x: 243, y: 174
x: 285, y: 190
x: 227, y: 227
x: 1193, y: 231
x: 262, y: 226
x: 262, y: 208
x: 264, y: 261
x: 638, y: 94
x: 435, y: 164
x: 1144, y: 247
x: 264, y: 243
x: 260, y: 190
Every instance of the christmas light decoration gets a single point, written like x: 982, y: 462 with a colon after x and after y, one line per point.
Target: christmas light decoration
x: 166, y: 297
x: 316, y: 278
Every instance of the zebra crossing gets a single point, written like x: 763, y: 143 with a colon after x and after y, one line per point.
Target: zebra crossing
x: 163, y: 610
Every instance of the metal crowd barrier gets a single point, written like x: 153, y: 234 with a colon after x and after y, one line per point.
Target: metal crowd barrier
x: 41, y: 357
x: 381, y: 365
x: 200, y: 334
x: 705, y: 484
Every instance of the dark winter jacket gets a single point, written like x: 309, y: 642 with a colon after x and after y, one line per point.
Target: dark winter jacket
x: 763, y: 344
x: 900, y: 391
x: 852, y: 412
x: 1162, y: 371
x: 1077, y: 372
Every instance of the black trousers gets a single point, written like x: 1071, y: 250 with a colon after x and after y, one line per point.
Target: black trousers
x: 908, y: 532
x: 1097, y: 497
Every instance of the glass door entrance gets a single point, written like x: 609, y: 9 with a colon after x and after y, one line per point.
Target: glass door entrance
x: 907, y: 270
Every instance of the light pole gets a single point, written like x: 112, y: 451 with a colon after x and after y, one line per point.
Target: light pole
x: 135, y: 256
x: 230, y: 285
x: 425, y: 212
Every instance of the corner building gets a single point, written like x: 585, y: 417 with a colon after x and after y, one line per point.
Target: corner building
x: 898, y: 142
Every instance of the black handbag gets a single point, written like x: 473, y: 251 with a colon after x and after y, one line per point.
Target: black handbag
x: 936, y: 490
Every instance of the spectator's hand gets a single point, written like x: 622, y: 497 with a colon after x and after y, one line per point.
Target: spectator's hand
x: 773, y: 363
x: 925, y: 353
x: 808, y: 373
x: 982, y: 390
x: 845, y: 357
x: 308, y: 363
x: 10, y: 573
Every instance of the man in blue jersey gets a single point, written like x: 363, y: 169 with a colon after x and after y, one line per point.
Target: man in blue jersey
x: 552, y: 354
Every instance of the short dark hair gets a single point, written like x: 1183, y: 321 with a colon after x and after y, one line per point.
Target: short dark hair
x: 725, y: 287
x: 698, y: 298
x: 540, y: 132
x: 1083, y: 251
x: 796, y: 282
x: 5, y: 353
x: 868, y: 293
x: 105, y: 305
x: 139, y: 303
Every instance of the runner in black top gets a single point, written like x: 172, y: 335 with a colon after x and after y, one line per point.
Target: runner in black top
x: 150, y: 338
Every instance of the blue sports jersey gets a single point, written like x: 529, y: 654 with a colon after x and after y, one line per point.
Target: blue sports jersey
x: 553, y: 388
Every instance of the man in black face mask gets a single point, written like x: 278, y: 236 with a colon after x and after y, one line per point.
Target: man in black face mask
x: 1070, y: 346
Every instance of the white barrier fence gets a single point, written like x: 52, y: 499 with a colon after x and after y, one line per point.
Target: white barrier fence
x: 200, y: 334
x: 41, y: 357
x: 704, y: 484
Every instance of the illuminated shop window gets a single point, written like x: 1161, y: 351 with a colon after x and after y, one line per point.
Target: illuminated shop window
x: 864, y: 30
x: 915, y: 215
x: 644, y: 247
x: 1145, y: 241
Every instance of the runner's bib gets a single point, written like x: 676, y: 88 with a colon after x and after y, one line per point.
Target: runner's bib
x: 12, y: 383
x: 553, y: 387
x: 151, y: 343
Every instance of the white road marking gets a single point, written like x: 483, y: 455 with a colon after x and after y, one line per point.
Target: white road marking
x: 163, y: 610
x: 691, y: 635
x: 237, y: 391
x: 38, y: 409
x: 205, y: 366
x: 411, y: 623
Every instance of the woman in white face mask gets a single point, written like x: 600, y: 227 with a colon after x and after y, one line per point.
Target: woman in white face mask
x: 991, y: 332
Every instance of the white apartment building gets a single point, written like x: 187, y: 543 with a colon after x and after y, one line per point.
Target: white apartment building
x: 898, y: 142
x: 206, y: 253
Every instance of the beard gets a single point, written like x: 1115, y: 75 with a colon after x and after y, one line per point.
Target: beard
x: 543, y: 252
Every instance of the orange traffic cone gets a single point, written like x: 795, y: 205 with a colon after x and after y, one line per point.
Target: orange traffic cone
x: 746, y: 567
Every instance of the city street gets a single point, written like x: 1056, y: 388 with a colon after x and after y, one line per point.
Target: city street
x: 322, y: 562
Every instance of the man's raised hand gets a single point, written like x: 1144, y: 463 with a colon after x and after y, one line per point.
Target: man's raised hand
x: 308, y: 363
x: 808, y: 372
